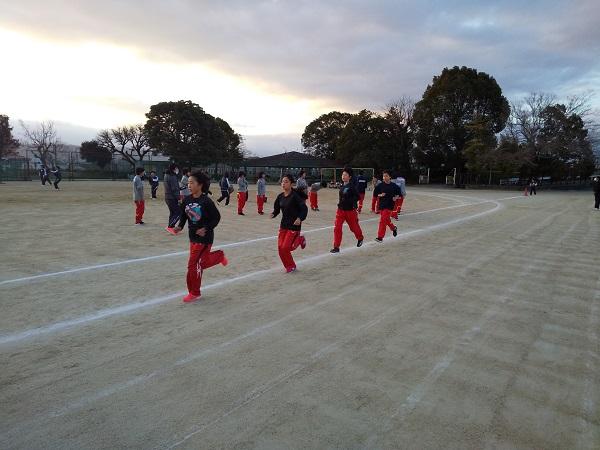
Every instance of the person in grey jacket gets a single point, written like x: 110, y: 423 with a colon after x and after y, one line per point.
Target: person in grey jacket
x: 138, y: 195
x: 242, y: 192
x: 171, y: 183
x: 261, y: 192
x: 184, y: 190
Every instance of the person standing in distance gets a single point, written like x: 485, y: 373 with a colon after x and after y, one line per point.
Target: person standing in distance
x: 387, y: 192
x: 138, y: 195
x: 171, y: 183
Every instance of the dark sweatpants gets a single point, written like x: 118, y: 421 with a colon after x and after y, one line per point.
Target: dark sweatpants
x: 224, y: 195
x: 597, y: 200
x: 174, y: 211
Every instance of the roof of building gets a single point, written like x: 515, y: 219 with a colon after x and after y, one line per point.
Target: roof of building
x: 292, y: 160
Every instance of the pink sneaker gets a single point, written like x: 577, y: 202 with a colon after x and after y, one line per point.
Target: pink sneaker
x: 171, y: 230
x: 225, y: 261
x: 302, y: 242
x: 190, y: 298
x: 290, y: 270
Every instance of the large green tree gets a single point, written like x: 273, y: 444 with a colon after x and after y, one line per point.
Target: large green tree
x: 183, y: 131
x: 565, y: 147
x: 94, y: 152
x: 8, y: 144
x: 367, y: 140
x: 451, y: 103
x: 321, y: 136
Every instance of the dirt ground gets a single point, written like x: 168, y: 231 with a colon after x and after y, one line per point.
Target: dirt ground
x: 477, y: 327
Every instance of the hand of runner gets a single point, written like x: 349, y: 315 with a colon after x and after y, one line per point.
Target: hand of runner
x: 201, y: 232
x: 297, y: 222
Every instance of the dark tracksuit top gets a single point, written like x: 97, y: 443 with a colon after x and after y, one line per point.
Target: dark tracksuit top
x: 348, y: 197
x: 292, y: 207
x: 201, y: 212
x: 390, y: 190
x: 362, y: 184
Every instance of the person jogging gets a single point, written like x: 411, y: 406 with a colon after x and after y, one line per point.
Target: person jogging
x: 261, y: 192
x: 292, y: 205
x: 242, y: 196
x: 596, y: 189
x: 138, y: 195
x: 387, y: 193
x: 362, y: 189
x: 171, y: 183
x: 346, y: 212
x: 43, y: 172
x: 313, y: 196
x: 153, y: 180
x: 202, y: 216
x: 57, y: 177
x: 301, y: 184
x: 401, y: 183
x: 226, y: 190
x: 375, y: 200
x: 184, y: 190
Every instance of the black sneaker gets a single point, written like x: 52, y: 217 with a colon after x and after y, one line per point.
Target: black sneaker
x: 395, y: 232
x: 359, y: 243
x: 379, y: 239
x: 334, y: 250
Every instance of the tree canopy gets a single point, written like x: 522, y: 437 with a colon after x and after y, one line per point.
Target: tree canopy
x: 321, y: 136
x: 183, y: 131
x: 456, y: 100
x: 94, y: 152
x: 8, y: 144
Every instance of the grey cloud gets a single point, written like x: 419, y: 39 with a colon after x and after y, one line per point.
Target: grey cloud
x: 351, y: 53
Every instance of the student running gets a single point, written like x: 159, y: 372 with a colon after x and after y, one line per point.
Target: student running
x: 387, y: 193
x: 362, y: 189
x: 294, y: 211
x: 313, y: 196
x: 226, y: 189
x: 261, y: 192
x: 138, y: 195
x: 242, y: 196
x: 171, y: 184
x: 202, y: 216
x: 57, y: 177
x: 346, y: 212
x: 375, y: 200
x: 401, y: 183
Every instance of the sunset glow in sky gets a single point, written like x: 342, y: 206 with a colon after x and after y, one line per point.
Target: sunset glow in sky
x: 270, y: 67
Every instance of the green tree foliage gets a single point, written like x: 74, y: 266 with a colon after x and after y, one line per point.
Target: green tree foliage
x: 479, y: 152
x: 455, y: 100
x: 8, y: 144
x: 183, y: 131
x: 366, y: 141
x: 94, y: 152
x: 565, y: 147
x: 321, y: 136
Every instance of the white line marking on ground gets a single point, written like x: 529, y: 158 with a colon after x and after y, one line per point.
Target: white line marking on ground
x: 222, y: 246
x: 14, y: 338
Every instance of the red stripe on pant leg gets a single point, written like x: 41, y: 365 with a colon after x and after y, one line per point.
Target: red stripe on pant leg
x: 312, y: 196
x: 260, y: 201
x: 361, y: 198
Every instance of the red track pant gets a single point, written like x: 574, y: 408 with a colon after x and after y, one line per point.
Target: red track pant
x: 397, y: 207
x: 351, y: 217
x: 375, y: 204
x: 361, y: 198
x: 287, y: 242
x: 139, y: 210
x: 200, y: 258
x: 313, y: 198
x: 260, y: 201
x: 242, y: 197
x: 384, y: 221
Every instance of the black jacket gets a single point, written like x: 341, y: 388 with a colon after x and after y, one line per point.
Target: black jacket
x: 348, y: 197
x: 201, y: 213
x: 292, y: 207
x: 390, y: 190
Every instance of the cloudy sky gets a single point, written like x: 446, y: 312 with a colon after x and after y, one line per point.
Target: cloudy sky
x: 270, y: 67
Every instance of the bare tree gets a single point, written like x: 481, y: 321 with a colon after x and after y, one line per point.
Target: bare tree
x: 129, y: 142
x: 399, y: 113
x: 43, y: 141
x: 526, y: 122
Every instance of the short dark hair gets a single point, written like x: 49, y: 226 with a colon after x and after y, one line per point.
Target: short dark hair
x: 302, y: 172
x: 360, y: 172
x: 172, y: 168
x: 386, y: 171
x: 260, y: 174
x: 139, y: 171
x: 289, y: 176
x: 241, y: 173
x: 202, y: 179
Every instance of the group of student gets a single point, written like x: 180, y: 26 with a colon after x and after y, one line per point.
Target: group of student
x: 194, y: 207
x: 44, y: 174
